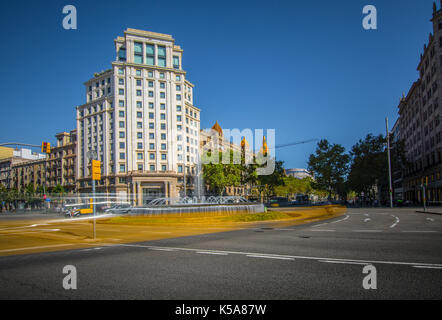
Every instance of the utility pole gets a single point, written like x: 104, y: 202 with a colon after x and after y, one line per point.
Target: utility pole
x: 389, y: 164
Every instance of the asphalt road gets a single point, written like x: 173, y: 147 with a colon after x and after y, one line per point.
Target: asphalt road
x: 323, y: 260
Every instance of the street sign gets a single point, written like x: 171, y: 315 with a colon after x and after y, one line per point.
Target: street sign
x: 96, y: 170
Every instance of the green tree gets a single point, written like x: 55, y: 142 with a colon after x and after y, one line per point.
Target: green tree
x: 368, y: 165
x: 220, y: 175
x: 329, y: 164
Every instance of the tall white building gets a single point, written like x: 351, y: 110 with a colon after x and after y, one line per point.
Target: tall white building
x: 140, y: 119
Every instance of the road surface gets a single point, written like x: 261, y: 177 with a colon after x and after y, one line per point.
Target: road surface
x: 322, y: 260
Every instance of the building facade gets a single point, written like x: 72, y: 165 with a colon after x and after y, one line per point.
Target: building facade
x: 420, y: 127
x: 139, y: 121
x: 36, y: 169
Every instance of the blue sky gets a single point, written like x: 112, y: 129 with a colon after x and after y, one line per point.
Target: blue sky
x: 305, y: 68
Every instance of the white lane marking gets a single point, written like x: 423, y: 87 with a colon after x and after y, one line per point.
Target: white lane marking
x: 346, y: 217
x: 283, y: 256
x: 366, y: 214
x: 322, y: 230
x: 366, y: 220
x: 367, y: 231
x: 161, y: 249
x: 269, y: 257
x: 430, y: 219
x: 427, y: 267
x: 32, y: 248
x: 214, y: 253
x: 414, y: 231
x: 395, y: 223
x: 345, y: 262
x: 318, y: 225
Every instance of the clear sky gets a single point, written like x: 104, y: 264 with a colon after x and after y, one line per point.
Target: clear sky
x: 305, y: 68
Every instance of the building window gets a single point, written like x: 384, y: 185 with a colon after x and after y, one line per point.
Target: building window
x: 152, y: 146
x: 163, y: 167
x: 139, y: 125
x: 150, y: 74
x: 138, y: 93
x: 163, y: 156
x: 121, y: 124
x: 121, y: 134
x: 163, y: 126
x: 138, y: 72
x: 163, y: 136
x: 121, y: 145
x: 121, y: 114
x: 140, y: 156
x: 120, y: 71
x: 122, y: 54
x: 162, y: 85
x: 121, y: 81
x: 163, y: 116
x: 140, y: 167
x: 138, y: 82
x: 138, y: 52
x: 163, y: 146
x: 121, y: 103
x: 161, y: 75
x: 122, y: 168
x: 139, y: 135
x: 178, y: 118
x: 178, y: 87
x: 150, y: 105
x: 151, y: 136
x: 150, y: 84
x: 161, y: 56
x: 162, y: 106
x: 162, y: 95
x: 178, y: 97
x: 139, y: 114
x: 139, y: 145
x: 151, y: 125
x: 178, y: 78
x: 151, y: 115
x: 150, y: 55
x: 152, y: 167
x: 122, y: 156
x: 139, y: 104
x: 152, y: 156
x: 151, y: 94
x: 180, y: 169
x: 121, y: 92
x: 176, y: 62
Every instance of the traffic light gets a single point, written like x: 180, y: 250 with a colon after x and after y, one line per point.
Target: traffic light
x: 45, y: 147
x: 96, y: 170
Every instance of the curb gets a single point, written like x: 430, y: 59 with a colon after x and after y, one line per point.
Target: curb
x: 429, y: 212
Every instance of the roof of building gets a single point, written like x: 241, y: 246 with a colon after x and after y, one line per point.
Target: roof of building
x: 217, y: 128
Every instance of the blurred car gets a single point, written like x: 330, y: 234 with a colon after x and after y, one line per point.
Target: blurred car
x: 119, y: 209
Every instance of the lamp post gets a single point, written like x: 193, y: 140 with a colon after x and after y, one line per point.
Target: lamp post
x: 389, y: 165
